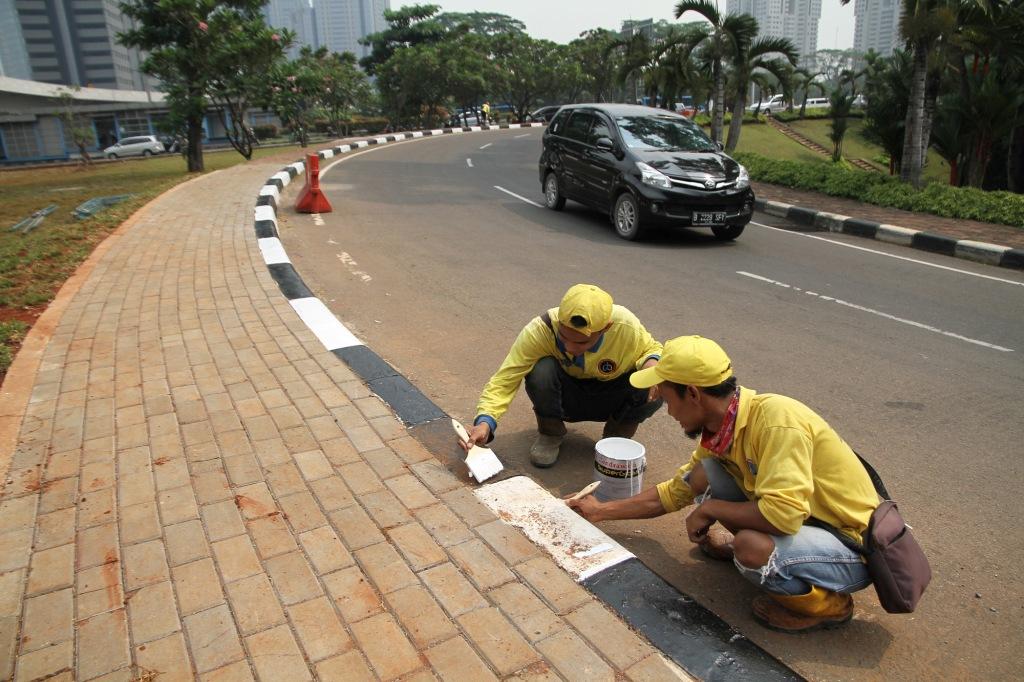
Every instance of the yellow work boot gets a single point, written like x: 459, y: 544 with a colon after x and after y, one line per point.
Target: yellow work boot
x: 544, y: 451
x: 819, y: 609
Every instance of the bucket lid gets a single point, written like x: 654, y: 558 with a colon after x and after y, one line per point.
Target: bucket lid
x: 622, y: 449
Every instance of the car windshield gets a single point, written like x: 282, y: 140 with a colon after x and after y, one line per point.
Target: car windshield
x: 663, y: 133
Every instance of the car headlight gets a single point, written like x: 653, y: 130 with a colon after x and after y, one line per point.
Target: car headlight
x: 743, y: 181
x: 653, y: 176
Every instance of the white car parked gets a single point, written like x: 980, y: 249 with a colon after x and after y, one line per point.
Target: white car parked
x: 776, y: 103
x: 142, y: 145
x: 818, y: 103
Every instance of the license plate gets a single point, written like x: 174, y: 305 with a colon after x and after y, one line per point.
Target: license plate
x: 708, y: 218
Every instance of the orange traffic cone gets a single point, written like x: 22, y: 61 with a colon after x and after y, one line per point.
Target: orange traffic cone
x: 311, y: 199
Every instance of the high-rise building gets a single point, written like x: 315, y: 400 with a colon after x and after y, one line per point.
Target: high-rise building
x: 13, y: 53
x: 294, y: 15
x: 72, y: 42
x: 341, y: 23
x: 793, y: 19
x: 877, y: 25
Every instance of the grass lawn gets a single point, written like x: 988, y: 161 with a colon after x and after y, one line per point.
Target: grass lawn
x: 766, y: 141
x: 855, y: 146
x: 33, y: 266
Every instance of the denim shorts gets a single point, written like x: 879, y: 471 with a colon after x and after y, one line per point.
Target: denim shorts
x: 812, y: 556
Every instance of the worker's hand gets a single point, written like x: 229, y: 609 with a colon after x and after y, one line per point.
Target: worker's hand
x: 478, y: 435
x: 697, y: 524
x: 588, y: 507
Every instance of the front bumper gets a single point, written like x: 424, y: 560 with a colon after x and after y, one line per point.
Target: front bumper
x: 675, y: 207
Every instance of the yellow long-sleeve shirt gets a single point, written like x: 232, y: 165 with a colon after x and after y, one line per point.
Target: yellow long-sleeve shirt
x: 792, y: 463
x: 625, y: 347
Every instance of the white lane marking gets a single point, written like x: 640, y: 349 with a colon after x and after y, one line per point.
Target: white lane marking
x: 351, y: 264
x: 318, y: 219
x: 322, y: 322
x: 517, y: 196
x: 516, y: 137
x: 469, y: 162
x: 487, y: 145
x: 912, y: 323
x: 891, y: 255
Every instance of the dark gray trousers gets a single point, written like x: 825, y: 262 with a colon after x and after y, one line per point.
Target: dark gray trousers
x: 556, y: 395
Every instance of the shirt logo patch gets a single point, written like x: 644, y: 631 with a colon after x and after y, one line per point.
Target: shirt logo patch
x: 606, y: 366
x: 752, y: 467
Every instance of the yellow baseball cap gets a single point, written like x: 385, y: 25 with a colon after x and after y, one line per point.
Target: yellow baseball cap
x: 585, y: 308
x: 688, y: 360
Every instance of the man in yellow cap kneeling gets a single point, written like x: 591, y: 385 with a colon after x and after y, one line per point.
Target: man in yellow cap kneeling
x: 764, y: 466
x: 576, y: 360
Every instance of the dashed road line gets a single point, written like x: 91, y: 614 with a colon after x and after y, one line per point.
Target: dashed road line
x: 469, y: 162
x: 518, y: 196
x: 486, y: 145
x: 523, y: 135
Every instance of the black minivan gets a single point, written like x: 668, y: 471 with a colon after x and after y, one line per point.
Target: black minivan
x: 645, y: 167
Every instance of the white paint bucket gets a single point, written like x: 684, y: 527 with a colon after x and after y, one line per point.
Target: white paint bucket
x: 619, y: 464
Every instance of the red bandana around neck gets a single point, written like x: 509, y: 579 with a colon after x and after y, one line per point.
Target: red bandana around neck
x: 719, y: 442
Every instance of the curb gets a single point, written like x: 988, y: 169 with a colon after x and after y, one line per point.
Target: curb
x: 979, y: 252
x: 686, y: 632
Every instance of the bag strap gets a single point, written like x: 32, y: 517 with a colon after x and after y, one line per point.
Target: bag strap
x: 847, y: 541
x: 546, y: 319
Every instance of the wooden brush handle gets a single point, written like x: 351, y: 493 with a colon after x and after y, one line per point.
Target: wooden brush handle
x: 586, y: 491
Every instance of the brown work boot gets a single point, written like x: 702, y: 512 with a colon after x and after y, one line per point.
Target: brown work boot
x: 717, y: 543
x: 618, y: 429
x: 544, y: 451
x: 819, y: 609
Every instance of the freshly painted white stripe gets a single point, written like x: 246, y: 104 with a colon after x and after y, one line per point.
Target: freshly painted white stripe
x: 469, y: 162
x: 382, y: 140
x: 299, y: 166
x: 266, y: 213
x: 894, y: 234
x: 457, y: 131
x: 894, y: 318
x: 523, y: 135
x: 272, y: 250
x: 345, y: 149
x: 283, y: 177
x: 270, y: 191
x: 514, y: 125
x: 573, y: 542
x: 517, y: 196
x: 318, y: 219
x: 891, y: 255
x: 776, y: 208
x: 487, y: 145
x: 322, y: 322
x: 328, y: 153
x: 362, y: 143
x: 437, y: 131
x: 475, y: 129
x: 982, y: 252
x: 417, y: 133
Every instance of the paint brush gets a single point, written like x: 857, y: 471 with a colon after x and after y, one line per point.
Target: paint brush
x: 482, y: 462
x: 583, y: 493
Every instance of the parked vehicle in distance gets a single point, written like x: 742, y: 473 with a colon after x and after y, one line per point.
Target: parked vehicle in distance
x: 142, y: 145
x: 818, y: 103
x: 860, y: 101
x: 774, y: 103
x: 544, y: 114
x: 645, y: 167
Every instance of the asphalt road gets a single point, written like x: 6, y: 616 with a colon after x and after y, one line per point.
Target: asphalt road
x: 915, y: 359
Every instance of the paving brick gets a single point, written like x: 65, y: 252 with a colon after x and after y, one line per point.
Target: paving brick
x: 177, y: 505
x: 167, y: 657
x: 276, y: 656
x: 454, y: 660
x: 97, y: 476
x: 139, y: 522
x: 319, y: 421
x: 152, y: 613
x: 43, y: 663
x: 211, y: 486
x: 170, y: 473
x: 387, y: 427
x: 15, y: 549
x: 352, y: 594
x: 197, y: 586
x: 132, y: 460
x: 508, y: 541
x: 313, y: 465
x: 360, y: 478
x: 234, y: 443
x: 102, y: 644
x: 325, y: 550
x: 224, y: 421
x: 452, y: 590
x: 417, y: 546
x: 48, y: 619
x: 286, y: 417
x: 222, y: 520
x: 285, y: 479
x: 96, y: 508
x: 480, y: 564
x: 271, y: 452
x: 364, y: 438
x: 299, y: 439
x: 255, y: 604
x: 599, y: 626
x: 350, y: 667
x: 495, y: 637
x: 319, y: 629
x: 185, y: 542
x: 332, y: 493
x: 385, y: 463
x: 95, y: 545
x: 135, y: 488
x: 250, y: 407
x: 574, y: 659
x: 58, y: 495
x: 355, y: 527
x: 443, y: 524
x: 236, y: 558
x: 213, y: 639
x: 203, y: 452
x: 421, y: 616
x: 293, y: 578
x: 242, y: 469
x: 385, y: 509
x: 108, y: 597
x: 197, y: 432
x: 145, y: 564
x: 553, y: 584
x: 302, y: 511
x: 236, y: 672
x: 385, y: 646
x: 656, y: 668
x: 339, y: 451
x: 271, y: 535
x: 51, y: 569
x: 261, y: 428
x: 409, y: 449
x: 255, y: 500
x: 62, y: 465
x: 11, y: 593
x: 385, y: 567
x: 435, y: 476
x: 532, y: 616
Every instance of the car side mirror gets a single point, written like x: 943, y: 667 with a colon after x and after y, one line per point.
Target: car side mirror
x: 721, y: 147
x: 604, y: 144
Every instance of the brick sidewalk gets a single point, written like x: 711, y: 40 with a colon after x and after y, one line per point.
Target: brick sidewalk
x: 201, y: 491
x: 1001, y: 235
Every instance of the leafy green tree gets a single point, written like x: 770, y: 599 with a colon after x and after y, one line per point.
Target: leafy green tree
x: 527, y: 70
x: 407, y: 27
x: 481, y: 23
x: 592, y: 54
x: 748, y: 58
x: 296, y: 88
x: 887, y: 91
x: 77, y: 127
x: 841, y: 103
x: 345, y: 89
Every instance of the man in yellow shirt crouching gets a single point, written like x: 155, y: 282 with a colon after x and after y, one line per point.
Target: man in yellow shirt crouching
x: 764, y: 466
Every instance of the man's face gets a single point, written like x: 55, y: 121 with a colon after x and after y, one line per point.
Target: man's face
x: 576, y: 342
x: 685, y: 407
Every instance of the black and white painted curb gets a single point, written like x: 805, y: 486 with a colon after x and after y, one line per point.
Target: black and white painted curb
x: 687, y: 633
x: 981, y: 252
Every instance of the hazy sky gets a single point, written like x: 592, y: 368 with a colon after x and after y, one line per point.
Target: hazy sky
x: 563, y: 20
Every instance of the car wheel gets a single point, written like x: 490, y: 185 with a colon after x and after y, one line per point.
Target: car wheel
x: 726, y: 233
x: 553, y: 198
x: 111, y: 156
x: 146, y: 152
x: 626, y: 217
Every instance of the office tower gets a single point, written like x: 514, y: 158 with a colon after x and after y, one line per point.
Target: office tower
x: 294, y: 15
x: 793, y: 19
x: 877, y: 25
x: 341, y: 23
x: 13, y: 53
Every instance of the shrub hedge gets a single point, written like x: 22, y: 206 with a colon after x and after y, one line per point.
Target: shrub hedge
x: 967, y: 203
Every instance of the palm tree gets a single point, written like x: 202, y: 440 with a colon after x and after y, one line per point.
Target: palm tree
x: 749, y: 58
x: 804, y: 80
x: 841, y: 103
x: 721, y: 40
